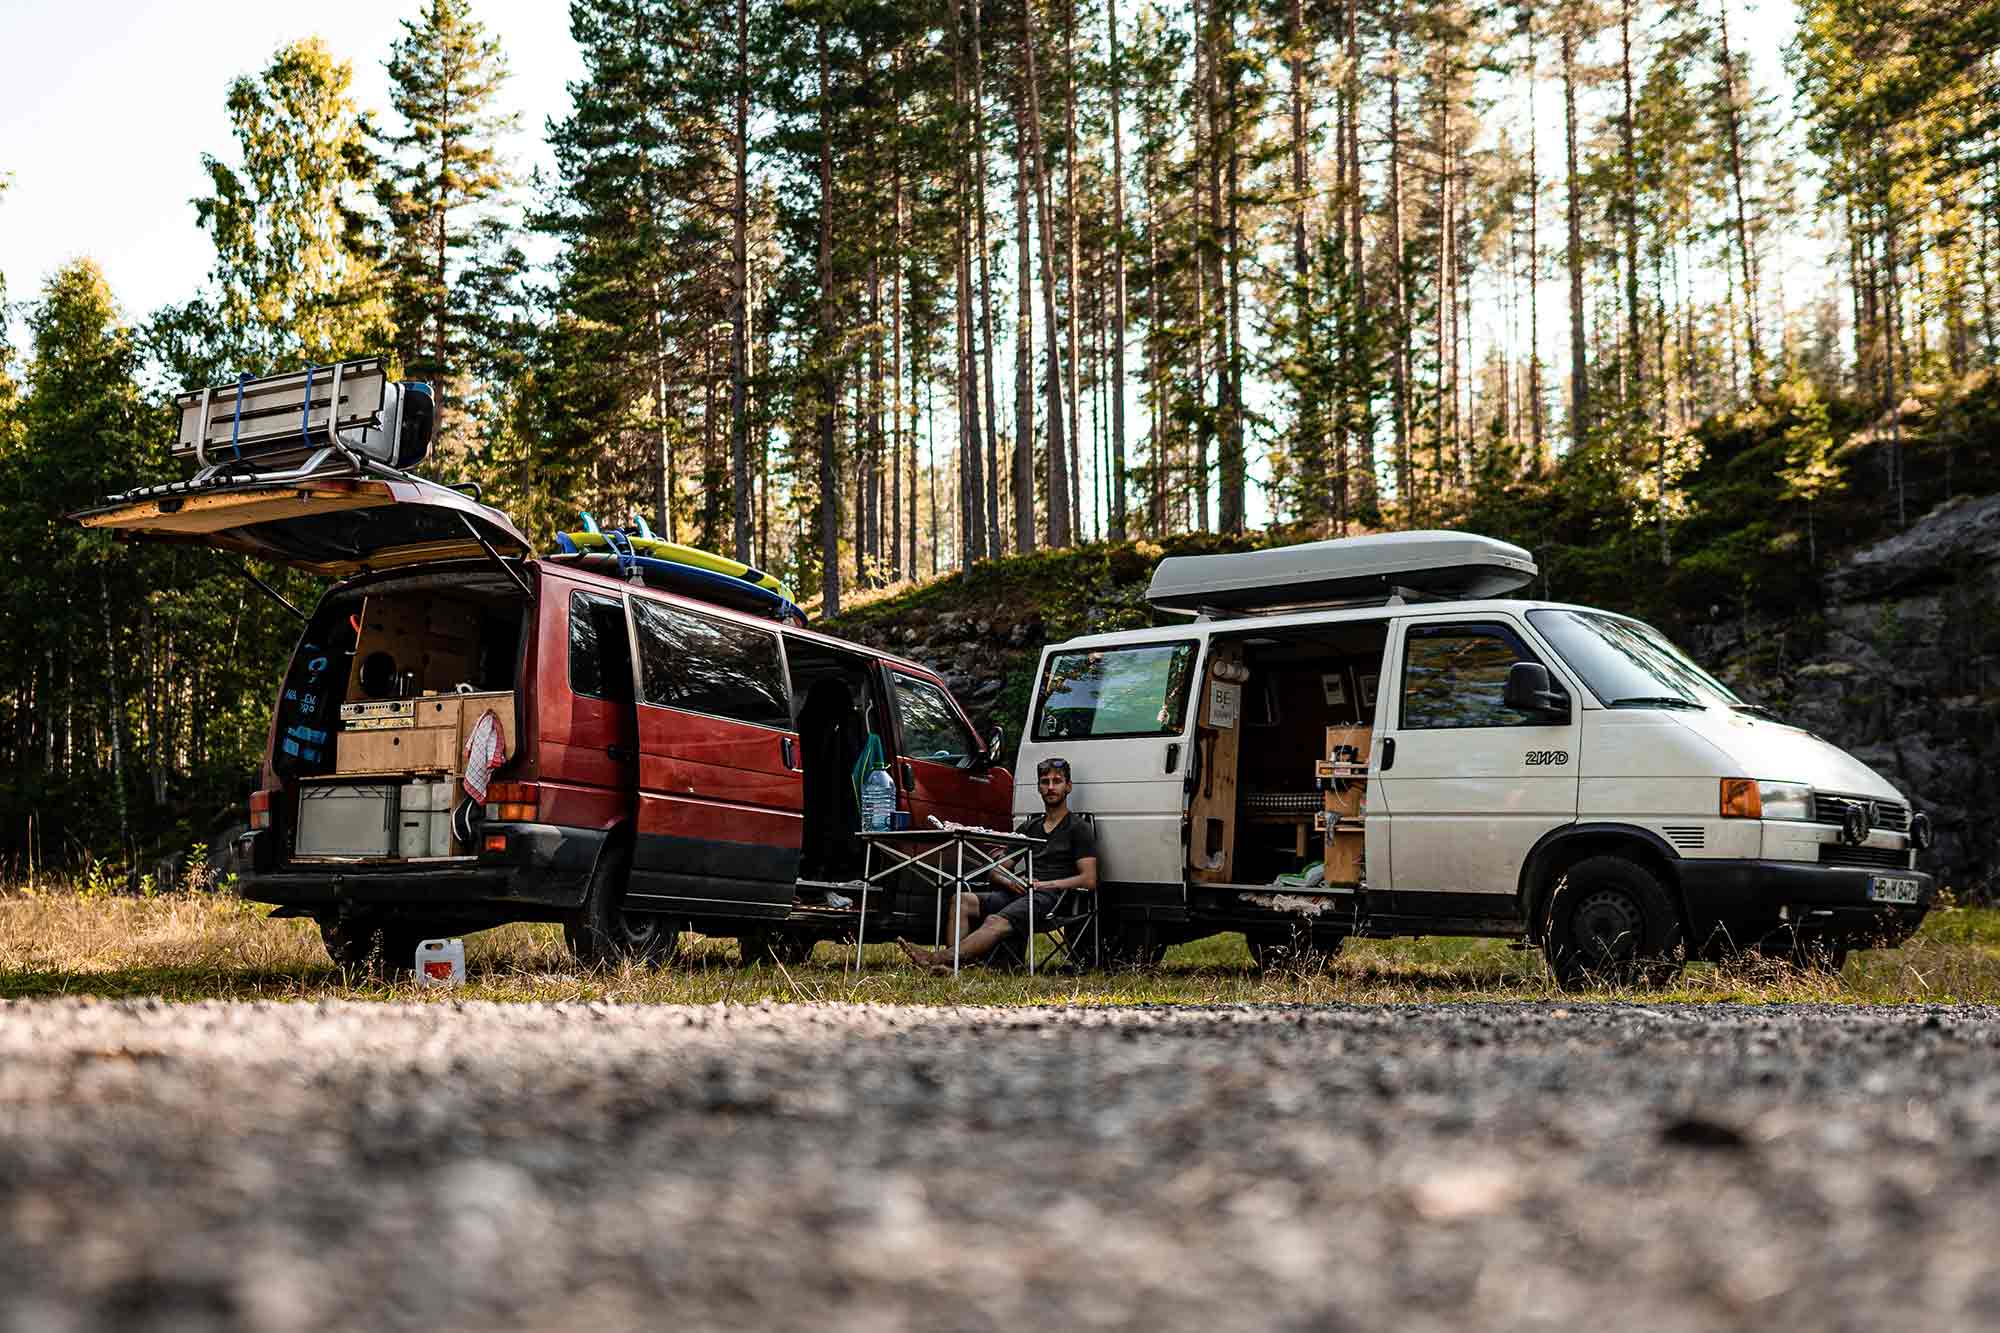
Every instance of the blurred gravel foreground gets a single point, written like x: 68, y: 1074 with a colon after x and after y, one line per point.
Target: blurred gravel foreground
x: 435, y: 1166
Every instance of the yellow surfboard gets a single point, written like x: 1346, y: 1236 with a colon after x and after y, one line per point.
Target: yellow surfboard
x: 658, y: 548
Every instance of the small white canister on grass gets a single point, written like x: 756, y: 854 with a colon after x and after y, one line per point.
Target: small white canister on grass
x: 441, y: 962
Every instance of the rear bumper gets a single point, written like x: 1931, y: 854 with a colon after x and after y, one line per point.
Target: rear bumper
x: 544, y: 871
x: 1749, y: 900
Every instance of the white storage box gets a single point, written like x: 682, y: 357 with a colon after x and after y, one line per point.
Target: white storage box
x: 427, y: 796
x: 347, y: 819
x: 421, y: 833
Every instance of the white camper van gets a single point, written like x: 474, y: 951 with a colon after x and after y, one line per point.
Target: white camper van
x: 1367, y: 737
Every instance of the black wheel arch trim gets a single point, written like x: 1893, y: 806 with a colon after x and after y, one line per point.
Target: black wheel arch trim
x: 1531, y: 893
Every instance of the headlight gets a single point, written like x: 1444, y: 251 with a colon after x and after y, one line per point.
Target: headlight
x: 1785, y: 800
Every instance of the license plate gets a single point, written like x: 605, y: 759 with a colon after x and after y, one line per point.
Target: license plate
x: 1893, y: 889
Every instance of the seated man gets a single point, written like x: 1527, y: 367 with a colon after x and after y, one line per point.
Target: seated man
x: 1067, y: 859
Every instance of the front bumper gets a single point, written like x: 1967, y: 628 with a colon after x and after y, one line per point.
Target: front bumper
x: 544, y: 871
x: 1747, y: 901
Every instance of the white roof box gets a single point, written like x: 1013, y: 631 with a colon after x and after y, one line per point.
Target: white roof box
x: 1346, y: 569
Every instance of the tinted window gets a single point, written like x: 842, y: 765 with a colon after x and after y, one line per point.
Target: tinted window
x: 1116, y: 692
x: 709, y: 666
x: 600, y: 655
x: 1456, y: 676
x: 930, y: 726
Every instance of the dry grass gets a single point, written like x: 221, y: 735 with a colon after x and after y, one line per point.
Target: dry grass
x: 201, y: 946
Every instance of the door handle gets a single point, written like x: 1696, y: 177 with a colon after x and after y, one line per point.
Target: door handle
x: 619, y: 753
x: 1173, y: 756
x: 786, y: 751
x: 909, y: 777
x: 1388, y: 755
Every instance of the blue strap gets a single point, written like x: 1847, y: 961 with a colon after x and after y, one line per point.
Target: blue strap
x: 305, y: 412
x: 237, y: 424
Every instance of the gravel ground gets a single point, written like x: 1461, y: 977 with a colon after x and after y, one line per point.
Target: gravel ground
x: 481, y: 1166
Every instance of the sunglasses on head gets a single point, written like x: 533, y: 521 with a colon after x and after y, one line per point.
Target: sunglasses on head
x: 1052, y: 766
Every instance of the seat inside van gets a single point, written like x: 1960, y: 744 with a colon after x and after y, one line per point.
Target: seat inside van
x: 1257, y: 793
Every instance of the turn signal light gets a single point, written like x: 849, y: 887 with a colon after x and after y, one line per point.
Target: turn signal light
x: 1741, y: 799
x: 512, y: 802
x: 496, y: 842
x: 260, y: 809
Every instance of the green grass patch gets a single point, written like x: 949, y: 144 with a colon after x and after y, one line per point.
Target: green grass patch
x: 199, y: 947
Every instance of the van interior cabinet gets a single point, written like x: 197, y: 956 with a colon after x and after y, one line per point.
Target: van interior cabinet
x: 1218, y: 739
x: 1344, y: 779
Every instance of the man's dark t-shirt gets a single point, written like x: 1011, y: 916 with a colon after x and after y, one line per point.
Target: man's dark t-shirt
x: 1068, y: 843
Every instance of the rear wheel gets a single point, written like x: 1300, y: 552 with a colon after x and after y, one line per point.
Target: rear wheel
x: 1297, y: 948
x: 787, y: 947
x: 1612, y: 923
x: 602, y: 933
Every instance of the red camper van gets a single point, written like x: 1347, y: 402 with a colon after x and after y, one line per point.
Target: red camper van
x: 468, y: 734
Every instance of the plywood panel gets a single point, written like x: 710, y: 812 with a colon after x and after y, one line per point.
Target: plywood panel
x: 1218, y: 732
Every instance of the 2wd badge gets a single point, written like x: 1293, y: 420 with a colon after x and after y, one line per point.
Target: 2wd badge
x: 1538, y: 758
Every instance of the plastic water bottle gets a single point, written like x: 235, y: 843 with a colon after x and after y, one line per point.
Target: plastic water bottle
x: 878, y: 800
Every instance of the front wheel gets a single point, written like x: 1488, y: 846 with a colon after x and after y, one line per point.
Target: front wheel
x: 1612, y: 923
x: 602, y: 933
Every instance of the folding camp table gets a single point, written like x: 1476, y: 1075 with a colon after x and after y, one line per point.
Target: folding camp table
x: 954, y: 858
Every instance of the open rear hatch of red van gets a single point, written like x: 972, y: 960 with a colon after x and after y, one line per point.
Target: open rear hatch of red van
x: 334, y: 526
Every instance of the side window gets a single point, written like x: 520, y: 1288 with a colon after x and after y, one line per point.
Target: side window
x: 1456, y: 676
x: 709, y: 666
x: 929, y: 724
x: 600, y: 654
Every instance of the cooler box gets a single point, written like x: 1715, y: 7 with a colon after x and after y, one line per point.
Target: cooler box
x: 347, y: 819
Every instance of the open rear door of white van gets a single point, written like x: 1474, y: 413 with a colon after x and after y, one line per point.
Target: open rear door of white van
x: 1121, y: 716
x: 334, y: 526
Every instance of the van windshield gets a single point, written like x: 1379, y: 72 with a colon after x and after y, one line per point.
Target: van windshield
x: 1109, y: 692
x: 1625, y: 663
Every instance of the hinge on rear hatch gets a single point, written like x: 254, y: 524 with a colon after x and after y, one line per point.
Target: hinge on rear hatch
x: 493, y: 555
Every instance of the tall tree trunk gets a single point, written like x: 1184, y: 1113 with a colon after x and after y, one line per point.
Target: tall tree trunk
x: 972, y: 470
x: 1635, y: 357
x: 739, y: 306
x: 1400, y: 288
x: 114, y: 701
x: 1060, y: 529
x: 1446, y: 397
x: 1024, y: 349
x: 1116, y: 480
x: 896, y: 566
x: 1364, y: 494
x: 663, y: 476
x: 1579, y: 412
x: 993, y: 527
x: 1534, y: 256
x: 1733, y: 126
x: 829, y: 476
x: 1075, y: 301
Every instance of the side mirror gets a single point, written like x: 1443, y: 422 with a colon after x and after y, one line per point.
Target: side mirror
x: 1528, y: 691
x: 996, y: 737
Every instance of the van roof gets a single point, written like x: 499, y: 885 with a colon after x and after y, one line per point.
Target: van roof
x: 609, y: 582
x: 1310, y: 619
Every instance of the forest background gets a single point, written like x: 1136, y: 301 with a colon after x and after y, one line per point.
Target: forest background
x: 867, y: 293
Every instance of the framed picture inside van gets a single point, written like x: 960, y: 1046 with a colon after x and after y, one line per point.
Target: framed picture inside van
x: 1367, y: 689
x: 1335, y: 685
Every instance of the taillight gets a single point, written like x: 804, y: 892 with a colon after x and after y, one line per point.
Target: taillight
x: 512, y: 802
x: 1741, y: 799
x: 260, y: 809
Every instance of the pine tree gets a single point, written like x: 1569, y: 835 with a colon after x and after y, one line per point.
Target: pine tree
x: 443, y: 175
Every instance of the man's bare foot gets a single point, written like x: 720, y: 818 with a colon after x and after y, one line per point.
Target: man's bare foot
x: 921, y: 957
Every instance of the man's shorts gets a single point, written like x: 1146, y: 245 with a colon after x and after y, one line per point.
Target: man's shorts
x: 1014, y: 906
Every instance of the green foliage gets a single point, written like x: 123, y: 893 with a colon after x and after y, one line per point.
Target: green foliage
x: 296, y: 274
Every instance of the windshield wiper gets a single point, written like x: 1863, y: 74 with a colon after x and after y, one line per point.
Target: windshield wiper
x: 1656, y: 701
x: 1758, y: 710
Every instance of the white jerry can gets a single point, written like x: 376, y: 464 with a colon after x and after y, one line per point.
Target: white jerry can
x: 440, y: 962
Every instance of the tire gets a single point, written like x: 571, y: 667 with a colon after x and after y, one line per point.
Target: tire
x: 1611, y: 922
x: 354, y: 943
x: 366, y: 944
x: 788, y: 948
x: 602, y: 933
x: 1297, y: 948
x: 1133, y: 947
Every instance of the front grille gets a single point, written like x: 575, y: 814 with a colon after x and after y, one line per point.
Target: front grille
x: 1689, y: 838
x: 1878, y: 858
x: 1831, y: 809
